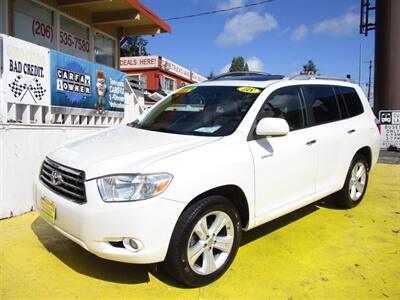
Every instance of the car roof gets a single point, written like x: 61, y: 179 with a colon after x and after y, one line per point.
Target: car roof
x: 262, y: 80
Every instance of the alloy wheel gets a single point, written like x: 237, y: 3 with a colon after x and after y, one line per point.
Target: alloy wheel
x: 357, y: 181
x: 210, y: 243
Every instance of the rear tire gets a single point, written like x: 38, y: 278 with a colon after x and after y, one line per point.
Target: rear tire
x: 356, y: 182
x: 204, y: 242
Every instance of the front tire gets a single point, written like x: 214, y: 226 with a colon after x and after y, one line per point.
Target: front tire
x: 355, y: 186
x: 204, y: 242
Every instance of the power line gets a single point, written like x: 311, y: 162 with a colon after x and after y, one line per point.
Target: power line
x: 218, y: 11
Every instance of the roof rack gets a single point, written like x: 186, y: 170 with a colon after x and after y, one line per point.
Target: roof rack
x: 247, y: 75
x: 311, y: 77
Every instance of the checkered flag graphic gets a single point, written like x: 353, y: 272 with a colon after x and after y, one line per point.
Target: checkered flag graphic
x: 33, y: 86
x: 17, y: 88
x: 38, y: 91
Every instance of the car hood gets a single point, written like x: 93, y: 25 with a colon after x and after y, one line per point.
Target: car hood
x: 123, y: 150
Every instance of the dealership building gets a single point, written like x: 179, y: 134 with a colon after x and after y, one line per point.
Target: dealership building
x: 59, y: 79
x: 88, y: 29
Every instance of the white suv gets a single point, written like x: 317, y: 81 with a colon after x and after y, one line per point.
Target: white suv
x: 208, y: 161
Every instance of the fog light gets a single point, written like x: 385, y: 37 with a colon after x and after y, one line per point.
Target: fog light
x: 132, y: 244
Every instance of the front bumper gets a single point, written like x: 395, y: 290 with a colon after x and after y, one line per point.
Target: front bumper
x: 95, y: 224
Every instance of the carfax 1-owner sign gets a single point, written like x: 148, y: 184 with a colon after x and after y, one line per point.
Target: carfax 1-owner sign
x: 83, y: 84
x: 26, y: 72
x: 390, y: 128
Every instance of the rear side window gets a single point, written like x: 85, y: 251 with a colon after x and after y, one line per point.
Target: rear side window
x: 323, y: 104
x: 286, y: 103
x: 352, y: 100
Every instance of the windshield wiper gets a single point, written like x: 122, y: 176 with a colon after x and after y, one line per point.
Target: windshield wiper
x: 160, y: 129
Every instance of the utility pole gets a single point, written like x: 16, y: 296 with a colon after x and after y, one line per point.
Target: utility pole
x: 387, y: 59
x: 359, y: 65
x: 369, y: 81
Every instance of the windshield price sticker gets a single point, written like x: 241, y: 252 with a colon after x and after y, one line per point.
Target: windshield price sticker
x: 249, y: 90
x: 186, y: 90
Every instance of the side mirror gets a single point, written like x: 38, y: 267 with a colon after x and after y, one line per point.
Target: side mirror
x: 272, y: 127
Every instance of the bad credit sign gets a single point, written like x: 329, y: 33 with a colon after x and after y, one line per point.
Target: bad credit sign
x: 26, y: 72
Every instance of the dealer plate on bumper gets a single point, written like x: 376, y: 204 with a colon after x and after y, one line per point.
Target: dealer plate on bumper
x: 48, y: 209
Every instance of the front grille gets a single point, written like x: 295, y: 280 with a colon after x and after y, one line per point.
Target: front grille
x: 63, y: 180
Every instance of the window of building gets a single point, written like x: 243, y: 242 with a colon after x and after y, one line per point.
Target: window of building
x: 3, y: 16
x: 34, y: 23
x: 286, y: 103
x: 352, y: 100
x: 167, y: 84
x: 74, y: 38
x: 104, y: 50
x: 322, y: 101
x: 138, y: 81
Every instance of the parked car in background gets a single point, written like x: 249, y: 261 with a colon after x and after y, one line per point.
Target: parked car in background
x: 210, y: 160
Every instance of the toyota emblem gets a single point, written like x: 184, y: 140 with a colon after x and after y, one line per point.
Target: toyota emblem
x: 56, y: 178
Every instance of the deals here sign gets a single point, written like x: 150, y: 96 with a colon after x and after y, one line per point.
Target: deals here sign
x: 83, y: 84
x: 26, y: 72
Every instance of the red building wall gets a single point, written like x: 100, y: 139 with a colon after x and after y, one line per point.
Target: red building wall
x: 153, y: 78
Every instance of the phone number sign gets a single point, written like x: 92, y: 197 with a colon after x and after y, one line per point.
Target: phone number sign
x: 390, y: 128
x: 73, y: 41
x: 66, y: 39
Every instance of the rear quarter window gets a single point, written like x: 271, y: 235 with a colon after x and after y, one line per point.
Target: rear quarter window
x: 322, y: 102
x: 351, y: 100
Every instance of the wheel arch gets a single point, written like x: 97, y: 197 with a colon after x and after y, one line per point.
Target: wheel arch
x: 234, y: 194
x: 367, y: 152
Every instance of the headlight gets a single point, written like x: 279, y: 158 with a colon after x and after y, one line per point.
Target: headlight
x: 133, y: 187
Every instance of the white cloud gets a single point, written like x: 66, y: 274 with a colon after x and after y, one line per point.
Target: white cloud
x: 229, y: 4
x: 344, y: 25
x: 254, y: 63
x: 300, y: 33
x: 244, y: 28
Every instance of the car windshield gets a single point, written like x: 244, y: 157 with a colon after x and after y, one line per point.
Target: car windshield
x: 201, y: 110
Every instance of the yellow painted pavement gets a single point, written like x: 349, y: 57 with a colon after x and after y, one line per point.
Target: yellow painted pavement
x: 318, y: 252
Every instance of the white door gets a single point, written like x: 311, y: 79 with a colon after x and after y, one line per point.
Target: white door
x: 285, y: 167
x: 331, y: 134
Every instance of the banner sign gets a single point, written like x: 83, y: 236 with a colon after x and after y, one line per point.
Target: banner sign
x: 197, y: 77
x: 138, y: 62
x: 26, y: 72
x: 172, y: 67
x: 390, y: 128
x: 83, y: 84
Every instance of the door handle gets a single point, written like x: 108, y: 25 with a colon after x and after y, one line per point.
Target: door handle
x: 351, y: 131
x: 309, y: 143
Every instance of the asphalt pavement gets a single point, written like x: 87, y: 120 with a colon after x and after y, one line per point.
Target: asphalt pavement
x: 389, y: 157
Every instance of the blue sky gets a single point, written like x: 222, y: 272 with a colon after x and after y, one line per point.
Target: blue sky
x: 277, y: 37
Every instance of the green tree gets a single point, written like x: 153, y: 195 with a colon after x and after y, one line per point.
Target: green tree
x: 238, y: 64
x: 309, y: 68
x: 211, y: 75
x: 133, y: 46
